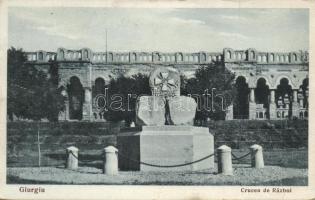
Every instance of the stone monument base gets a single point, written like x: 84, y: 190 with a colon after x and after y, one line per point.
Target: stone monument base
x: 165, y: 145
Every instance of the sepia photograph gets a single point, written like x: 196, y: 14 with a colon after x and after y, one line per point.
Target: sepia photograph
x: 157, y: 96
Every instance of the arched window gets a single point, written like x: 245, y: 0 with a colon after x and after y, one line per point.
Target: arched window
x: 110, y: 57
x: 262, y: 93
x: 294, y: 57
x: 133, y: 57
x: 70, y: 54
x: 196, y: 58
x: 62, y: 54
x: 40, y: 56
x: 243, y: 56
x: 252, y: 55
x: 264, y: 58
x: 85, y: 54
x: 202, y: 57
x: 271, y: 58
x: 241, y: 103
x: 228, y: 55
x: 239, y: 56
x: 284, y: 95
x: 76, y: 98
x: 180, y: 57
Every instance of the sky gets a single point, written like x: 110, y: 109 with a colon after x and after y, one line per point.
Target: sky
x: 167, y: 30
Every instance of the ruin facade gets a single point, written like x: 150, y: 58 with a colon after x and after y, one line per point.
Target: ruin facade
x: 270, y: 85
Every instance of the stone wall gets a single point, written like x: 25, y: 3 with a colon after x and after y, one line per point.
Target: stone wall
x: 251, y: 64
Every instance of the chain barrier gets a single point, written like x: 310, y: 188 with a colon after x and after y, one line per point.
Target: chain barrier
x: 241, y: 157
x: 166, y: 166
x: 80, y: 161
x: 235, y: 158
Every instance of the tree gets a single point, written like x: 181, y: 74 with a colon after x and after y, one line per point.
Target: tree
x: 123, y: 92
x: 213, y: 89
x: 31, y: 93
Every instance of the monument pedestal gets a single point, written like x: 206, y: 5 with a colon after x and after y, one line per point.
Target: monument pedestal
x: 165, y: 145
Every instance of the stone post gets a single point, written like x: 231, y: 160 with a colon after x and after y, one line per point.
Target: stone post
x: 87, y: 105
x: 257, y: 159
x: 110, y: 161
x: 295, y: 104
x: 132, y: 124
x: 252, y: 104
x: 272, y: 105
x: 225, y: 160
x: 72, y: 157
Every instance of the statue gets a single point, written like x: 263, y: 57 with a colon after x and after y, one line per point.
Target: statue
x: 165, y: 106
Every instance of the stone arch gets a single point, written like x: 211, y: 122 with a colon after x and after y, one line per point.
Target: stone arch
x: 203, y: 57
x: 282, y: 58
x: 284, y: 96
x: 268, y: 83
x: 62, y: 54
x: 239, y: 56
x: 110, y: 57
x: 241, y: 103
x: 191, y: 58
x: 179, y: 57
x: 304, y: 93
x: 243, y: 56
x: 99, y: 89
x: 76, y: 98
x: 40, y: 56
x: 240, y: 76
x: 228, y: 54
x: 294, y: 57
x: 150, y: 58
x: 133, y: 57
x: 85, y: 54
x: 251, y: 55
x: 286, y: 77
x: 271, y: 57
x: 262, y: 92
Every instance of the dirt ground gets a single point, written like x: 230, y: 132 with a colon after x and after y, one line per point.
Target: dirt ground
x: 243, y: 175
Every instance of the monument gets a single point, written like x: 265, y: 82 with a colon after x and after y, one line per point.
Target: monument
x: 165, y: 138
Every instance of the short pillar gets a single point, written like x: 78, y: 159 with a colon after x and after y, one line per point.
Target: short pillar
x: 132, y: 124
x: 110, y: 161
x: 257, y: 156
x: 72, y: 157
x: 225, y: 160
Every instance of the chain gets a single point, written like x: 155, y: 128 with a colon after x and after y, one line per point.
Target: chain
x: 167, y: 166
x: 84, y: 162
x: 241, y: 157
